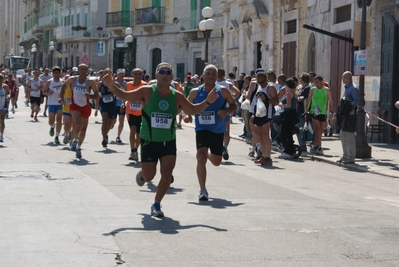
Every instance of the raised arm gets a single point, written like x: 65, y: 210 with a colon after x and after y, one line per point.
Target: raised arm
x: 190, y: 108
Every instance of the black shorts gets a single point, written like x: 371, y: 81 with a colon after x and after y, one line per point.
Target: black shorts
x: 134, y: 121
x: 119, y: 111
x: 320, y: 117
x: 152, y: 151
x: 110, y: 109
x: 259, y: 121
x: 214, y: 141
x: 35, y: 100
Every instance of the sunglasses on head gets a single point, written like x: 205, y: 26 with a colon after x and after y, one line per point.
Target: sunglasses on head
x: 167, y: 72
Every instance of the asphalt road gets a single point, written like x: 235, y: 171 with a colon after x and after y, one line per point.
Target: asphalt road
x: 60, y: 211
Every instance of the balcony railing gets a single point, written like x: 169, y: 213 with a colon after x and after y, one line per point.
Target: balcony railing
x: 48, y: 21
x: 91, y: 32
x: 150, y: 15
x: 120, y: 19
x: 63, y: 32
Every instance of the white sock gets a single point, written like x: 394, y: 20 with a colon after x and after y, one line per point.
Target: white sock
x: 57, y: 134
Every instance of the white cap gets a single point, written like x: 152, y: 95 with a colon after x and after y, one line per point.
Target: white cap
x: 120, y: 71
x: 75, y: 69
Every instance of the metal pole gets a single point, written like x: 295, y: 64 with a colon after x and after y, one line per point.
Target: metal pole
x: 207, y: 33
x: 363, y: 150
x: 52, y: 59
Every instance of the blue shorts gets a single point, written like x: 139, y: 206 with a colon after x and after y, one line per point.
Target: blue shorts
x: 54, y: 108
x: 66, y: 114
x: 110, y: 109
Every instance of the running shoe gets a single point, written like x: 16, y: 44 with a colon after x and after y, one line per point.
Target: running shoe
x: 285, y: 156
x: 13, y: 111
x: 118, y: 140
x: 156, y: 210
x: 44, y: 114
x: 66, y: 139
x: 31, y: 114
x: 225, y: 153
x: 203, y: 195
x: 51, y: 131
x: 73, y: 145
x: 267, y: 162
x: 36, y: 118
x: 312, y: 150
x: 79, y: 153
x: 16, y: 106
x: 251, y: 154
x: 106, y: 138
x: 56, y: 140
x: 134, y: 156
x: 140, y: 179
x: 319, y: 151
x: 1, y: 139
x: 104, y: 142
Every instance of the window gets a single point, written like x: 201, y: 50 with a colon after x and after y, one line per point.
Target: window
x: 290, y: 26
x: 342, y: 14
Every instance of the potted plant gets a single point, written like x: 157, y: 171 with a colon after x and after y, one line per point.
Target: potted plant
x: 83, y: 28
x: 86, y: 34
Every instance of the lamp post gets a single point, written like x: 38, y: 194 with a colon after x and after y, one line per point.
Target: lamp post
x: 128, y: 41
x: 33, y: 50
x: 51, y: 47
x: 363, y: 150
x: 206, y: 26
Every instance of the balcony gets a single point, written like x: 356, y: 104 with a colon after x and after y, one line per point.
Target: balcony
x: 91, y: 33
x: 83, y: 2
x: 48, y: 22
x: 150, y: 18
x: 119, y: 20
x: 64, y: 33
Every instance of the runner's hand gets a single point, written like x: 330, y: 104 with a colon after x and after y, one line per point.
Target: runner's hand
x: 188, y: 119
x: 212, y: 96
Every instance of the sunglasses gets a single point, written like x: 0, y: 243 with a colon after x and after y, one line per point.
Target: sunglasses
x: 165, y: 72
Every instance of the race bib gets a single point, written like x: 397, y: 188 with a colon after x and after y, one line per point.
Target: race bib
x: 206, y: 117
x: 161, y: 120
x: 108, y: 98
x: 135, y: 106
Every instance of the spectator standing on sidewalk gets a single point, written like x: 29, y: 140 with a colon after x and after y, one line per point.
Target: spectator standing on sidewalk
x: 347, y: 134
x: 303, y: 94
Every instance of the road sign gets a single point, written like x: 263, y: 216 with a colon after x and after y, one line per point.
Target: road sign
x: 360, y: 62
x: 85, y: 59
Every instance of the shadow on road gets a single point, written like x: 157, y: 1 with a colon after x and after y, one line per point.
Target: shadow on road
x: 107, y: 151
x: 82, y: 162
x: 153, y: 188
x: 165, y: 226
x: 217, y: 203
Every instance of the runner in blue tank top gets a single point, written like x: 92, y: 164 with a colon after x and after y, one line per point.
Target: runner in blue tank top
x: 210, y: 124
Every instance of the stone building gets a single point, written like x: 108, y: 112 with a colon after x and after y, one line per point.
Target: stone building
x: 163, y: 32
x: 11, y: 28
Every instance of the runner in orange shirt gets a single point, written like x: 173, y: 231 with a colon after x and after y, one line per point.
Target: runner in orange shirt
x: 133, y: 112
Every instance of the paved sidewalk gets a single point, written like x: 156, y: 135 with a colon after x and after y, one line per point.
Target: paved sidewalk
x: 384, y: 161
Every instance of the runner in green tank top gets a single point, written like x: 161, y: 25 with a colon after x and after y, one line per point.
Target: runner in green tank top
x: 320, y: 97
x: 158, y: 132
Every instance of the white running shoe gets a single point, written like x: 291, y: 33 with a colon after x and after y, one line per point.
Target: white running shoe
x: 203, y: 195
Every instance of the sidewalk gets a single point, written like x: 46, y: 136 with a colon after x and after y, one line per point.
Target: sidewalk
x: 384, y: 161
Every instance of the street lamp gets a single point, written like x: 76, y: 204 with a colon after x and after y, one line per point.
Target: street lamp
x: 51, y: 54
x: 206, y: 26
x: 128, y: 41
x: 33, y: 50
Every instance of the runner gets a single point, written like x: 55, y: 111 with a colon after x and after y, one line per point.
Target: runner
x: 120, y: 105
x: 107, y: 104
x: 51, y: 90
x: 234, y: 92
x: 35, y: 86
x: 158, y: 130
x: 80, y: 106
x: 66, y: 112
x: 13, y: 89
x: 210, y: 124
x: 25, y: 79
x: 3, y: 105
x: 43, y: 98
x: 133, y: 111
